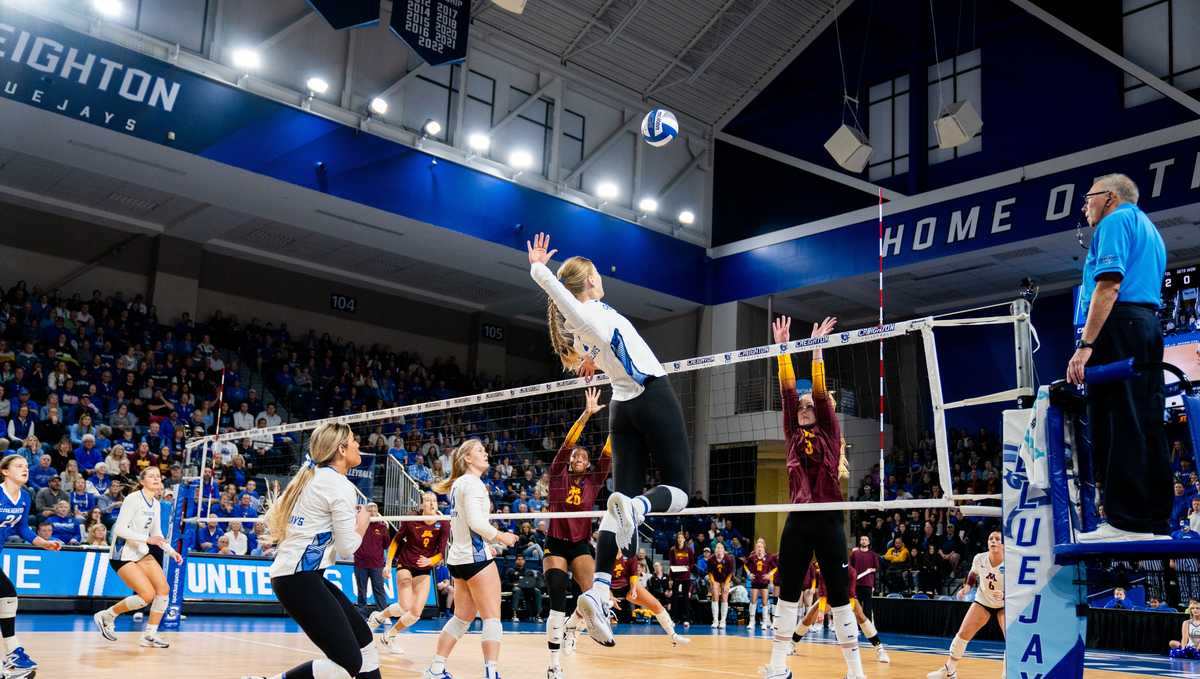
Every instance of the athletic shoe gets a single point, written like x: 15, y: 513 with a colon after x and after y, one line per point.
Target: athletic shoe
x: 104, y: 622
x: 594, y: 613
x: 393, y: 645
x: 554, y: 673
x: 1107, y: 532
x: 686, y: 624
x: 377, y: 619
x: 771, y: 673
x: 620, y: 507
x: 679, y: 640
x: 881, y: 654
x: 942, y: 672
x: 18, y: 662
x: 442, y: 675
x: 153, y: 641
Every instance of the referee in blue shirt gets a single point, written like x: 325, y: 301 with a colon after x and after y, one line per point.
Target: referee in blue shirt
x: 1122, y: 278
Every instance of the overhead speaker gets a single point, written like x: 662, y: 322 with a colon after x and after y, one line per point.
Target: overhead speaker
x: 347, y: 13
x: 849, y: 148
x: 957, y: 124
x: 514, y: 6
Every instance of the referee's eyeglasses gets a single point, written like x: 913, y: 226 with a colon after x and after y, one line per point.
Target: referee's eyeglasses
x: 1079, y: 224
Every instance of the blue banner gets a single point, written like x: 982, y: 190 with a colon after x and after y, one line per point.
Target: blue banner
x: 363, y: 476
x: 80, y: 573
x: 437, y: 30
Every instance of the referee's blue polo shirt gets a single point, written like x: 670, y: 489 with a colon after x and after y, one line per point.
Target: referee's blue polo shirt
x: 1127, y: 242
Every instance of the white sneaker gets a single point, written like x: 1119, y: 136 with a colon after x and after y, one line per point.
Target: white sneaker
x: 620, y: 507
x: 137, y: 617
x: 1106, y: 532
x: 104, y: 622
x: 377, y: 619
x: 881, y: 654
x: 679, y: 640
x: 770, y: 673
x: 687, y: 625
x: 393, y: 645
x: 430, y: 675
x: 942, y: 673
x: 554, y: 673
x: 153, y: 641
x: 594, y: 614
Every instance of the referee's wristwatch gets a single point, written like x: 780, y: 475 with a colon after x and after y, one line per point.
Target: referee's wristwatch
x: 1084, y: 344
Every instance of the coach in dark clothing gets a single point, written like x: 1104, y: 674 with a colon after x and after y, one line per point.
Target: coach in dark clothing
x: 866, y: 565
x: 1122, y: 278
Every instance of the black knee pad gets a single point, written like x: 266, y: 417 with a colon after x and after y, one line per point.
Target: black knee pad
x: 557, y: 584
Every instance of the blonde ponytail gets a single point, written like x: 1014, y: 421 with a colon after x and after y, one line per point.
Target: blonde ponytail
x: 323, y: 444
x: 573, y: 274
x: 458, y: 466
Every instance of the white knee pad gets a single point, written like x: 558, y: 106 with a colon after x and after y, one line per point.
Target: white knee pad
x: 370, y: 658
x: 679, y: 499
x: 8, y: 607
x: 134, y: 602
x: 958, y: 647
x: 408, y: 619
x: 845, y: 628
x: 159, y: 604
x: 324, y: 668
x: 456, y: 627
x: 608, y: 523
x: 492, y: 631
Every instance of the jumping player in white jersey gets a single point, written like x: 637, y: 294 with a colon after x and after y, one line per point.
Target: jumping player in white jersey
x: 137, y: 529
x: 645, y: 419
x: 317, y: 519
x: 987, y: 572
x: 15, y: 502
x: 471, y: 561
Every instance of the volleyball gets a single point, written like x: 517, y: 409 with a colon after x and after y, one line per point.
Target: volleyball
x: 659, y: 127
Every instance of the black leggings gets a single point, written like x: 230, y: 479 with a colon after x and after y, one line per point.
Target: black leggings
x: 8, y: 626
x: 681, y: 590
x: 822, y: 534
x: 327, y: 618
x: 650, y: 426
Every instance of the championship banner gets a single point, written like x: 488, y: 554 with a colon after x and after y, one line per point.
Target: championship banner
x: 1044, y: 633
x: 435, y: 29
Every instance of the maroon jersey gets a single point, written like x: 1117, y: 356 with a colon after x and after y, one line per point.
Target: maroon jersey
x: 814, y: 578
x: 417, y: 539
x: 761, y: 569
x: 682, y: 559
x: 575, y: 492
x: 853, y: 576
x: 623, y: 569
x: 721, y: 570
x: 864, y: 561
x: 813, y: 453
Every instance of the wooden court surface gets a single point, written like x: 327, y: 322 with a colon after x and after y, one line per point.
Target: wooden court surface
x: 209, y: 655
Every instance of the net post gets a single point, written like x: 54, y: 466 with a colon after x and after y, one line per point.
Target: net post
x: 1022, y: 342
x: 940, y: 440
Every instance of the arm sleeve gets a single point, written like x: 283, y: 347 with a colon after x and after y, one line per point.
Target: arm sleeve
x: 604, y: 464
x: 826, y: 417
x: 572, y: 309
x: 476, y: 510
x: 394, y: 546
x: 346, y: 539
x: 559, y: 465
x: 1112, y: 243
x: 787, y: 390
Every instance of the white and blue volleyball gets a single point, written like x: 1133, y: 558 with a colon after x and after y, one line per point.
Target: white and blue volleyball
x: 659, y: 127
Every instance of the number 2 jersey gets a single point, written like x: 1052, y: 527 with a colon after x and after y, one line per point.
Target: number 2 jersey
x: 136, y: 523
x: 14, y: 516
x: 989, y: 580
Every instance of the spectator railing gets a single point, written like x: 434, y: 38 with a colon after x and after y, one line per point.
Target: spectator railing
x: 401, y: 493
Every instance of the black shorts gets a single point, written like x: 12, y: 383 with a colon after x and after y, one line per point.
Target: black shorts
x: 157, y: 553
x: 992, y: 612
x: 467, y: 571
x: 414, y: 571
x: 808, y: 534
x: 566, y: 549
x: 649, y: 427
x: 117, y: 565
x: 619, y: 593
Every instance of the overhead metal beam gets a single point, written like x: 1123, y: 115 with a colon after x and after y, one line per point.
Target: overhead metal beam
x: 681, y: 175
x: 616, y: 136
x: 512, y: 115
x: 348, y: 75
x: 1154, y: 82
x: 678, y: 58
x: 728, y: 40
x: 460, y: 106
x: 566, y: 54
x: 810, y: 167
x: 284, y: 32
x: 395, y: 87
x: 566, y: 7
x: 624, y: 22
x: 786, y: 60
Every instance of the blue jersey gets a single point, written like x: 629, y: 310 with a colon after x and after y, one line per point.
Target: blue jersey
x: 14, y: 516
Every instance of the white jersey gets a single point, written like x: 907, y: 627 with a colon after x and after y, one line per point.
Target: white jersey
x: 605, y: 336
x: 470, y: 531
x: 321, y: 525
x: 989, y: 590
x: 1194, y: 633
x: 136, y: 523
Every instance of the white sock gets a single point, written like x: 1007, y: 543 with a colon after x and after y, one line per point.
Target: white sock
x: 845, y: 628
x: 11, y: 644
x: 957, y: 648
x: 641, y: 507
x: 785, y: 616
x: 151, y: 630
x: 438, y: 665
x: 664, y: 621
x: 601, y: 586
x: 554, y: 635
x: 724, y: 611
x: 110, y: 612
x: 489, y: 670
x: 753, y: 611
x: 716, y: 608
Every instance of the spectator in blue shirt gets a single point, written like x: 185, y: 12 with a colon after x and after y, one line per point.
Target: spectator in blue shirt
x: 1185, y: 532
x: 87, y: 454
x: 1118, y: 600
x: 81, y: 500
x: 1122, y: 283
x: 22, y: 424
x: 206, y: 537
x: 245, y: 508
x: 31, y: 451
x: 39, y: 476
x: 100, y: 480
x: 420, y: 473
x: 81, y: 428
x: 65, y: 526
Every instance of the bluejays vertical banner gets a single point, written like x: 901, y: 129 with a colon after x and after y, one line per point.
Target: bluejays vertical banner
x: 363, y: 476
x: 1044, y: 635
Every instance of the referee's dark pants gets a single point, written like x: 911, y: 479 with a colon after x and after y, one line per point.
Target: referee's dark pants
x: 865, y: 595
x: 1129, y: 444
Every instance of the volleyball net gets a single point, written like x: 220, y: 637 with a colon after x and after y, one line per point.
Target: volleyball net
x: 900, y: 449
